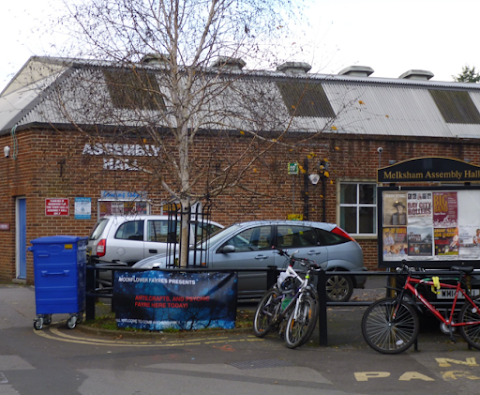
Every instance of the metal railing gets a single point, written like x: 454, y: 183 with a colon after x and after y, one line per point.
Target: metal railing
x: 98, y: 288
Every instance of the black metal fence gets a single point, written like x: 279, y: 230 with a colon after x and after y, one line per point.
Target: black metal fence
x: 197, y: 219
x: 96, y: 289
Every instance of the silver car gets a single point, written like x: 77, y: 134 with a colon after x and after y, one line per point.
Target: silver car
x: 131, y: 238
x: 255, y: 245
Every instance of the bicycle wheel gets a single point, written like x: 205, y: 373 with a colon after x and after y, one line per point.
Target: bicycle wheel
x: 385, y: 334
x: 471, y: 333
x: 265, y: 312
x: 300, y: 328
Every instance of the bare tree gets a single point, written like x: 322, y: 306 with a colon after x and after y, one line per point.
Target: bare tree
x: 170, y: 73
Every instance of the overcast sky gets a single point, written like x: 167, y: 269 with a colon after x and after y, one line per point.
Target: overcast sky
x: 390, y: 36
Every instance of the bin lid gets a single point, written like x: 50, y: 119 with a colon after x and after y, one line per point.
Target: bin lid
x: 58, y: 239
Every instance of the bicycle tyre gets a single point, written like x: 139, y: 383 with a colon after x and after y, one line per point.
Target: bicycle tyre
x: 299, y: 330
x: 471, y: 333
x: 265, y: 312
x: 385, y: 336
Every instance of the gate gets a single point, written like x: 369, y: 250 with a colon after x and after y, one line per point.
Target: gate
x: 199, y: 229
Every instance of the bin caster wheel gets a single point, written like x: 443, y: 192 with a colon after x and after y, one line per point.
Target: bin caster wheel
x: 47, y: 320
x: 72, y: 322
x: 37, y: 325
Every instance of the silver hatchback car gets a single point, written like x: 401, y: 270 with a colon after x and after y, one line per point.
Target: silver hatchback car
x: 131, y: 238
x: 255, y: 245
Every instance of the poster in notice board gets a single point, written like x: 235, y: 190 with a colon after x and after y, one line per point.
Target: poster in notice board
x: 433, y: 227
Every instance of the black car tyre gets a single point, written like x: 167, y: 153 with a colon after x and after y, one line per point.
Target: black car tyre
x: 266, y: 310
x: 339, y: 288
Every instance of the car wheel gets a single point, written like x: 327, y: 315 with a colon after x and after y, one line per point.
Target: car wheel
x: 339, y: 288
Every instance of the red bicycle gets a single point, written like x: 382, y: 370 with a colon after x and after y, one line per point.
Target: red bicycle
x: 391, y: 325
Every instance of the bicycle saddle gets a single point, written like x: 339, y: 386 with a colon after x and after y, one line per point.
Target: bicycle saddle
x: 463, y: 269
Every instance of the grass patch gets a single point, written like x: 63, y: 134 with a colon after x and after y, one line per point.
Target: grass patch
x: 108, y: 322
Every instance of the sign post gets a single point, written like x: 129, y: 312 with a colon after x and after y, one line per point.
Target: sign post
x: 292, y: 169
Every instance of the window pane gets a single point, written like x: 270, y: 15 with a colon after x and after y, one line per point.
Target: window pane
x: 348, y: 193
x: 296, y: 237
x: 157, y: 230
x: 367, y: 194
x: 252, y: 239
x: 367, y: 220
x: 132, y: 230
x: 348, y: 219
x: 329, y: 238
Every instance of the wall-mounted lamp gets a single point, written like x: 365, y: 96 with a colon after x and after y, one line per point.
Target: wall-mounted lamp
x: 314, y: 178
x: 392, y: 161
x: 6, y: 151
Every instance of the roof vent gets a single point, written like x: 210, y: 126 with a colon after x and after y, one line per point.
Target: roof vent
x: 153, y: 59
x: 424, y: 75
x: 294, y: 68
x: 226, y: 62
x: 357, y: 71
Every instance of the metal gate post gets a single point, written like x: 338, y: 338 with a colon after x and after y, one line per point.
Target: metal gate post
x: 322, y: 316
x: 272, y: 274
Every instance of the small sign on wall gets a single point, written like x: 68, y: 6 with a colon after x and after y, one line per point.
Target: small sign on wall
x: 83, y: 208
x: 57, y: 207
x: 4, y: 226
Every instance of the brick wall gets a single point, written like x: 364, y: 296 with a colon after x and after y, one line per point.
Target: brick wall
x: 50, y: 164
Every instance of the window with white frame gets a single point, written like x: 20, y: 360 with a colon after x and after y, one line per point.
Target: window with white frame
x: 358, y: 208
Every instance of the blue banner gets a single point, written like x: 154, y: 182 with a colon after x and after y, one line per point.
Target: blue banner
x: 156, y: 300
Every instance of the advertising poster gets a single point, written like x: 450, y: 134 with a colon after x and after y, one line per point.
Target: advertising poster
x: 445, y: 214
x: 420, y: 242
x: 394, y: 209
x: 447, y: 241
x: 469, y: 239
x: 395, y: 244
x: 441, y: 225
x: 419, y: 208
x: 156, y: 300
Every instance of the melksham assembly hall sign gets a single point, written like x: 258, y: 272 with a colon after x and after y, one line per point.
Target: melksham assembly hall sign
x: 429, y: 169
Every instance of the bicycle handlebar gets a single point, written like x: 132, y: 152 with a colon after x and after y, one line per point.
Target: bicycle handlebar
x: 302, y: 261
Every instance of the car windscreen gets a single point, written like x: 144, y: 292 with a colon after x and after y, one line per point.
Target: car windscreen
x: 98, y: 229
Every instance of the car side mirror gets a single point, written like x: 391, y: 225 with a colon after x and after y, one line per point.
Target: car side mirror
x: 227, y: 248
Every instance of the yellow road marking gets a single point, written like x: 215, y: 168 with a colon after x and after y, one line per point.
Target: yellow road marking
x: 57, y: 335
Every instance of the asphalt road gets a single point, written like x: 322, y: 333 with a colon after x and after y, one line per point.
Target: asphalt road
x: 57, y: 360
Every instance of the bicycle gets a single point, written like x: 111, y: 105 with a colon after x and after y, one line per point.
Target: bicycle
x: 391, y: 325
x: 290, y: 305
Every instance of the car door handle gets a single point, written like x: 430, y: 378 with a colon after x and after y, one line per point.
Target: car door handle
x: 314, y: 252
x: 261, y: 257
x: 152, y: 251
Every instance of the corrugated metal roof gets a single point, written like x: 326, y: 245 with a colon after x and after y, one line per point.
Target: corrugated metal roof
x: 259, y: 99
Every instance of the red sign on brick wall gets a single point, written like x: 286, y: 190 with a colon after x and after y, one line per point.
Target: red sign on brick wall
x: 54, y: 207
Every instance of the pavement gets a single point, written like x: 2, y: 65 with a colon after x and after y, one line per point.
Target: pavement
x: 58, y: 360
x: 343, y: 322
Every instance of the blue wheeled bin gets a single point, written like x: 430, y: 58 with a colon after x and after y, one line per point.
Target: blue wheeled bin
x: 59, y: 264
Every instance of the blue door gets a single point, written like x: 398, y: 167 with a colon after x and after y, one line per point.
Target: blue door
x: 22, y: 238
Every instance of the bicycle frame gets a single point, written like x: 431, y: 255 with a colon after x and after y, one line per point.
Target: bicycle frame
x: 458, y: 291
x: 302, y: 287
